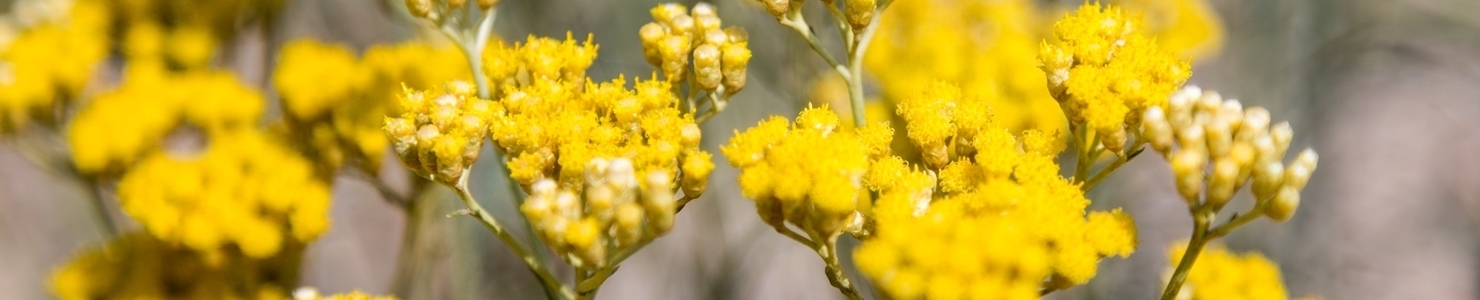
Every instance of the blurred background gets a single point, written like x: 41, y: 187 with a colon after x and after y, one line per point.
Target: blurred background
x: 1387, y: 91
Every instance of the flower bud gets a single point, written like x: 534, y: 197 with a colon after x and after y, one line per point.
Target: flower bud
x: 1268, y: 178
x: 584, y: 237
x: 860, y: 13
x: 1256, y: 123
x: 732, y: 65
x: 449, y: 153
x: 696, y: 168
x: 486, y: 4
x: 651, y: 35
x: 707, y: 66
x: 600, y: 201
x: 1283, y: 206
x: 777, y: 8
x: 737, y: 35
x: 1297, y: 175
x: 1219, y: 136
x: 716, y: 37
x: 1281, y: 134
x: 657, y: 200
x: 402, y: 134
x: 1222, y: 185
x: 629, y: 223
x: 1187, y: 166
x: 689, y: 135
x: 703, y: 9
x: 455, y: 4
x: 675, y: 53
x: 1193, y: 138
x: 683, y: 25
x: 1155, y: 129
x: 668, y: 12
x: 419, y: 8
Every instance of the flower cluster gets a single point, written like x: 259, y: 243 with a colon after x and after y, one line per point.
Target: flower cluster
x: 335, y: 103
x: 1221, y: 147
x: 1221, y: 274
x: 245, y: 193
x: 613, y: 214
x: 441, y: 131
x: 1009, y: 191
x: 1105, y: 75
x: 680, y: 36
x: 438, y: 10
x: 119, y: 126
x: 942, y: 123
x: 50, y: 63
x: 140, y: 266
x: 809, y: 173
x: 537, y: 59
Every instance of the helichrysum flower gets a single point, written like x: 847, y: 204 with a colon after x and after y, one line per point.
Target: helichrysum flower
x: 441, y: 131
x: 940, y: 117
x: 1222, y: 147
x: 809, y: 173
x: 1189, y: 28
x: 616, y: 210
x: 119, y: 126
x: 537, y: 59
x: 50, y: 63
x: 1222, y: 274
x: 245, y: 192
x: 1105, y: 74
x: 314, y: 77
x: 140, y: 266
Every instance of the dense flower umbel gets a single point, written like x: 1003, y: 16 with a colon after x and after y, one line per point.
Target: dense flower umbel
x: 245, y: 193
x: 119, y: 126
x: 1105, y: 74
x: 1221, y: 147
x: 680, y: 36
x: 50, y: 63
x: 140, y: 266
x: 537, y: 59
x: 809, y: 173
x: 442, y: 130
x: 938, y: 118
x: 1221, y: 274
x: 999, y: 196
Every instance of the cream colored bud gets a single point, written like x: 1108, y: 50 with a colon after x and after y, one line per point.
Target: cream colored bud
x: 859, y: 12
x: 568, y: 205
x: 1210, y: 102
x: 600, y: 200
x: 1297, y: 175
x: 629, y: 223
x: 651, y: 35
x: 596, y: 170
x: 705, y: 24
x: 543, y: 188
x: 401, y: 133
x: 1156, y: 130
x: 706, y: 67
x: 1219, y: 136
x: 683, y: 25
x: 703, y: 9
x: 1256, y: 123
x: 716, y: 37
x: 732, y: 65
x: 689, y: 135
x: 1243, y: 154
x: 536, y: 208
x: 419, y: 8
x: 1282, y: 134
x: 1193, y: 138
x: 621, y: 174
x: 1264, y: 149
x: 657, y: 199
x: 444, y: 117
x: 675, y: 52
x: 1283, y: 206
x: 1268, y: 178
x: 455, y: 4
x: 1222, y: 185
x: 585, y: 239
x: 667, y: 12
x: 777, y: 8
x: 1187, y: 166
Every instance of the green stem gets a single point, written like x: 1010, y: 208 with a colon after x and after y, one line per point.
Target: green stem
x: 797, y: 23
x: 1105, y: 172
x: 100, y: 207
x: 834, y: 269
x: 536, y: 266
x: 1200, y: 238
x: 857, y: 48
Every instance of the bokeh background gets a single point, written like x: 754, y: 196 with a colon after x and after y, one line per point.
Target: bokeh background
x: 1387, y: 91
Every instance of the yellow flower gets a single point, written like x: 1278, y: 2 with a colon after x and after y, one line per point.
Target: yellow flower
x: 314, y: 77
x: 1189, y: 28
x: 809, y: 173
x: 139, y: 266
x: 1221, y: 274
x: 245, y: 191
x: 50, y: 63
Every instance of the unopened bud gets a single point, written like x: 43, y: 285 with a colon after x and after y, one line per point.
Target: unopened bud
x: 1219, y: 137
x: 732, y: 65
x: 1222, y: 185
x: 1283, y: 206
x: 696, y: 168
x: 667, y: 12
x: 689, y: 135
x: 1187, y: 166
x: 1268, y: 178
x: 657, y: 199
x: 675, y: 52
x: 1256, y: 123
x: 455, y: 4
x: 737, y: 35
x: 707, y: 67
x: 1297, y: 174
x: 419, y: 8
x: 777, y: 8
x: 860, y: 13
x: 629, y: 223
x: 651, y: 35
x: 1193, y: 138
x: 1281, y: 134
x: 402, y: 135
x: 486, y: 4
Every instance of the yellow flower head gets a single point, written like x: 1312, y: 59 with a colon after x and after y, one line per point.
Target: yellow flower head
x: 50, y: 63
x: 1222, y: 274
x: 140, y: 266
x: 245, y: 191
x: 314, y: 77
x: 809, y: 173
x: 1105, y: 74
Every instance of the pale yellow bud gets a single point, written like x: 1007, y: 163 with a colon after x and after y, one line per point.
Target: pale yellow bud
x: 1243, y: 154
x: 651, y: 35
x: 1264, y: 149
x: 621, y: 175
x: 736, y: 56
x: 667, y: 12
x: 675, y: 52
x: 1283, y: 206
x: 715, y: 36
x: 486, y: 4
x: 1297, y: 175
x: 1187, y: 166
x: 449, y: 152
x: 705, y: 24
x: 1210, y: 102
x: 1268, y: 178
x: 657, y: 200
x: 1156, y: 130
x: 704, y: 9
x: 629, y: 223
x: 1281, y: 134
x: 707, y: 67
x: 1219, y: 137
x: 683, y: 25
x: 1113, y: 139
x: 584, y: 237
x: 425, y: 137
x: 419, y: 8
x: 1222, y: 185
x: 1256, y: 123
x: 737, y: 35
x: 777, y: 8
x: 402, y: 135
x: 455, y: 4
x: 600, y: 200
x: 689, y: 135
x: 1193, y: 138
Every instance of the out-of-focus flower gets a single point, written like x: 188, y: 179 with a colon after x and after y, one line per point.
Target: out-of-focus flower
x: 140, y: 266
x: 1222, y: 274
x: 50, y: 63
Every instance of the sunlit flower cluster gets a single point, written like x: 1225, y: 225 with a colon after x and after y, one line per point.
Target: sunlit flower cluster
x: 334, y: 102
x: 140, y: 266
x: 808, y: 173
x: 1105, y: 74
x: 442, y: 130
x: 50, y: 63
x: 1221, y: 274
x: 537, y: 59
x: 680, y: 36
x: 1008, y: 192
x: 1221, y: 147
x: 244, y: 193
x: 118, y: 127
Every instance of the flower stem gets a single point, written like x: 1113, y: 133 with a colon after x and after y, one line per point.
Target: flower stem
x: 835, y: 275
x: 1200, y: 238
x: 536, y: 266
